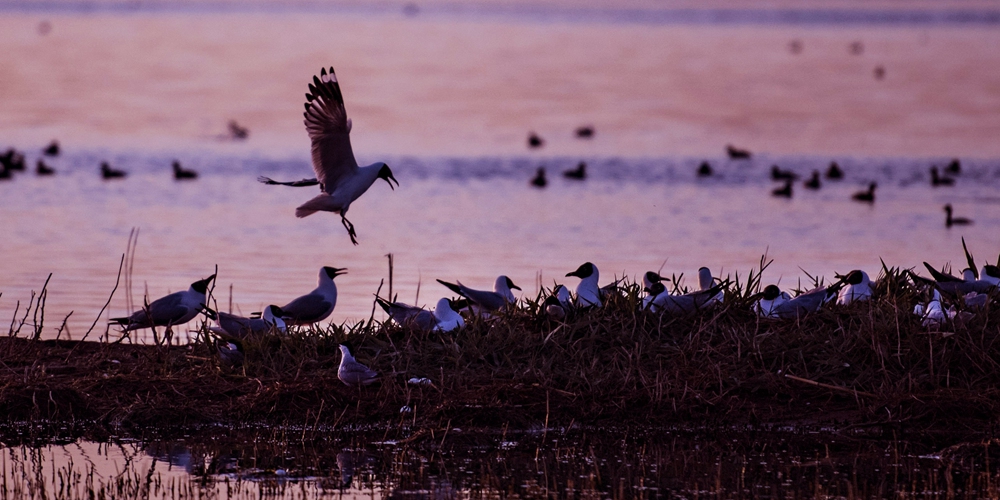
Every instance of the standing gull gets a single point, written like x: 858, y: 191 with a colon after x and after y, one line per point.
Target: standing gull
x: 340, y: 178
x: 318, y: 304
x: 172, y: 310
x: 442, y: 318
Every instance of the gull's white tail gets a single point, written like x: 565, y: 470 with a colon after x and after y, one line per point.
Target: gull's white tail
x: 321, y: 202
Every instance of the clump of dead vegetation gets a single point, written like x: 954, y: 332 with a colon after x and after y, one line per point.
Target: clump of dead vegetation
x: 871, y: 364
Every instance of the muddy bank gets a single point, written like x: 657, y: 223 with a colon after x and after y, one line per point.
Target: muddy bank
x: 865, y: 366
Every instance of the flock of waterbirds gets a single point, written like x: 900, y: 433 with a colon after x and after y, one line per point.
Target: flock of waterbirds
x: 342, y: 181
x: 13, y: 161
x: 947, y: 297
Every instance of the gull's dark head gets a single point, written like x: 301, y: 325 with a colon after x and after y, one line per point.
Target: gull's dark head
x: 511, y: 285
x: 202, y: 285
x: 584, y: 271
x: 656, y: 288
x: 771, y: 292
x: 855, y: 277
x: 333, y: 272
x: 650, y: 277
x: 385, y: 174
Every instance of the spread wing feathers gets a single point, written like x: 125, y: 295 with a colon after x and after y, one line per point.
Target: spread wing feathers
x: 329, y: 128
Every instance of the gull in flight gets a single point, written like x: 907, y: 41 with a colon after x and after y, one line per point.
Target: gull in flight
x: 240, y: 327
x: 485, y: 300
x: 318, y: 304
x: 353, y: 373
x: 442, y: 318
x: 340, y: 179
x: 174, y: 309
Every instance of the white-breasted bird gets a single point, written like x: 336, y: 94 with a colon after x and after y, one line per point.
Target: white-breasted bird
x: 316, y: 305
x: 777, y: 304
x: 499, y: 298
x: 442, y: 318
x: 588, y: 291
x: 857, y: 287
x: 353, y: 373
x: 240, y: 327
x: 169, y: 311
x: 707, y: 281
x: 340, y: 179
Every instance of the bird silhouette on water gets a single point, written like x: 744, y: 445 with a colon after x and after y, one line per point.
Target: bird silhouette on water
x: 951, y: 220
x: 736, y: 153
x: 784, y: 191
x: 539, y: 180
x: 108, y: 173
x: 813, y: 182
x: 579, y: 173
x: 180, y: 173
x: 585, y: 132
x: 237, y: 132
x: 778, y: 174
x: 704, y: 170
x: 938, y: 180
x: 534, y: 141
x: 42, y: 169
x: 867, y: 196
x: 834, y: 173
x: 954, y: 167
x: 52, y: 149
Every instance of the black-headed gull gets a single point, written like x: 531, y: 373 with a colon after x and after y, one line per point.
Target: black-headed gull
x: 353, y: 373
x: 318, y: 304
x: 588, y: 291
x: 340, y: 178
x: 240, y: 327
x: 172, y: 310
x: 486, y: 300
x: 857, y: 287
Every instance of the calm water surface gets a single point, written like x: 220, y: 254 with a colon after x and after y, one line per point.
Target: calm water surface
x: 563, y: 465
x: 448, y: 101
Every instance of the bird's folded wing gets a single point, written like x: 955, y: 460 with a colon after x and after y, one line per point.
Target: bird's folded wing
x: 329, y: 128
x: 306, y: 307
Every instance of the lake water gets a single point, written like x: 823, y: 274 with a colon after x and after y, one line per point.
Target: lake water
x: 446, y: 94
x: 580, y: 463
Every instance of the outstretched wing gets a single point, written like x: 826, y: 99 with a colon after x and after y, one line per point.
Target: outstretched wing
x: 329, y: 128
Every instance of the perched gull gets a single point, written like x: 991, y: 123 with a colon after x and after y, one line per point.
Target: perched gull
x: 340, y: 178
x: 231, y: 353
x: 318, y: 304
x: 174, y: 309
x: 588, y: 292
x: 960, y: 286
x: 556, y: 304
x: 442, y: 318
x: 353, y: 373
x: 858, y: 287
x: 485, y: 300
x: 990, y: 273
x: 660, y: 300
x: 775, y: 304
x: 706, y: 282
x: 240, y: 327
x: 931, y: 313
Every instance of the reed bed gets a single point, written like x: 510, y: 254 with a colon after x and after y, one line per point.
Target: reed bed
x: 867, y: 366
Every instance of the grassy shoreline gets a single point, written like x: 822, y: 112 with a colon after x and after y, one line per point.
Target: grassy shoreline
x: 869, y: 365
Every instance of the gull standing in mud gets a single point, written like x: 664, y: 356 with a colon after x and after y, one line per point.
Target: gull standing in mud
x: 318, y: 304
x: 353, y: 373
x: 485, y: 300
x: 172, y: 310
x: 340, y: 179
x: 588, y: 292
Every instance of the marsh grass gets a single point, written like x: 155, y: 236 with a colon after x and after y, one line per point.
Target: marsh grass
x: 869, y: 365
